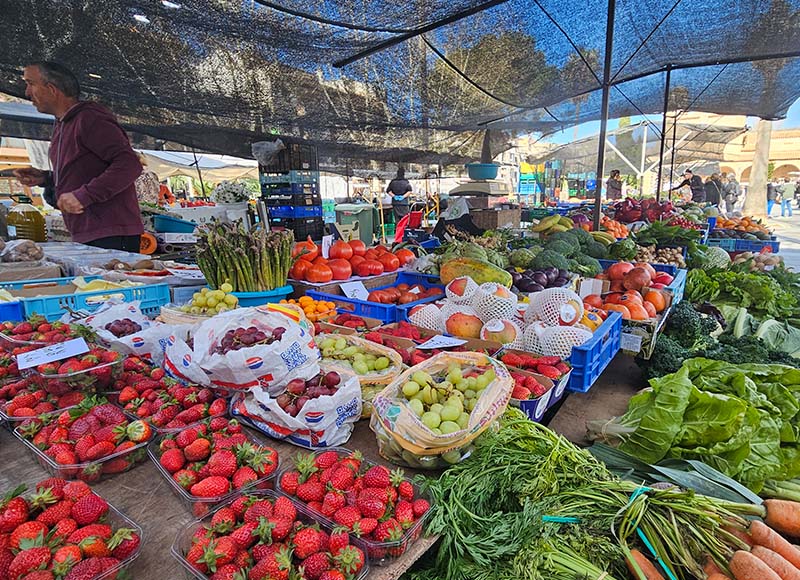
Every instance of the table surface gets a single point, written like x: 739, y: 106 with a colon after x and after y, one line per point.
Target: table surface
x: 147, y: 498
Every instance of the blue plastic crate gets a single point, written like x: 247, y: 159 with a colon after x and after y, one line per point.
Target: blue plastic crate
x: 431, y: 244
x: 386, y: 313
x: 409, y: 277
x: 167, y: 224
x: 590, y: 359
x: 295, y: 211
x: 258, y: 298
x: 757, y: 246
x: 12, y: 312
x: 151, y: 296
x: 727, y: 244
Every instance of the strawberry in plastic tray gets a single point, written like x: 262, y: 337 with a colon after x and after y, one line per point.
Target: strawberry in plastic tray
x: 95, y: 370
x: 168, y: 405
x: 22, y: 399
x: 64, y: 530
x: 212, y: 462
x: 34, y: 331
x: 88, y: 441
x: 550, y: 366
x: 264, y: 535
x: 527, y: 387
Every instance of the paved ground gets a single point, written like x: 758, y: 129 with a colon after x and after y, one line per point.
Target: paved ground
x: 788, y: 231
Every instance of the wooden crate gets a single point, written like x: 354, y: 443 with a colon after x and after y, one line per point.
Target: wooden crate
x: 490, y: 219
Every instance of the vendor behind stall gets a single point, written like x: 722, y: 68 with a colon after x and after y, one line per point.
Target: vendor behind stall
x: 400, y: 189
x: 94, y: 166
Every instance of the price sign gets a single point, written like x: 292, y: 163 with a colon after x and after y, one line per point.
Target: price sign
x: 52, y: 353
x: 327, y: 242
x: 188, y: 274
x: 355, y: 290
x: 630, y: 342
x: 590, y: 286
x: 442, y: 342
x: 414, y: 290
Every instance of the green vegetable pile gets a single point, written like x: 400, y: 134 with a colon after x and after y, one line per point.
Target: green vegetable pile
x: 251, y: 261
x: 573, y: 250
x: 742, y: 419
x: 756, y: 291
x: 660, y: 234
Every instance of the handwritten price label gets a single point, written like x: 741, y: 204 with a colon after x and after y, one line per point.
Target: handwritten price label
x: 52, y: 353
x: 355, y: 290
x: 442, y: 342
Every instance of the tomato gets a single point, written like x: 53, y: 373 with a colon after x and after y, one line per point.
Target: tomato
x: 369, y: 268
x: 405, y: 256
x: 356, y: 260
x: 407, y: 297
x: 593, y: 300
x: 307, y: 250
x: 359, y: 248
x: 340, y: 249
x: 393, y: 294
x: 378, y: 296
x: 389, y: 261
x: 341, y: 269
x: 299, y: 269
x: 371, y: 254
x: 320, y: 260
x: 381, y: 249
x: 319, y: 273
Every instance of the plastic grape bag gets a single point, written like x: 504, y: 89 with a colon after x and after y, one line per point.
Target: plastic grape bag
x: 325, y: 421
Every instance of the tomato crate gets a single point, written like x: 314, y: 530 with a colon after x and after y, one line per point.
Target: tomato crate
x: 386, y: 313
x: 590, y: 359
x: 757, y: 245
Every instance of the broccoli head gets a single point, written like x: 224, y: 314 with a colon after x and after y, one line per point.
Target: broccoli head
x: 685, y: 325
x: 563, y: 247
x: 584, y: 238
x: 668, y: 356
x: 549, y: 259
x: 746, y: 349
x: 597, y: 250
x: 569, y: 237
x: 587, y: 265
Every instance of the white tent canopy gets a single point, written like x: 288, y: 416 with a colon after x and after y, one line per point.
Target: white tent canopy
x: 212, y: 167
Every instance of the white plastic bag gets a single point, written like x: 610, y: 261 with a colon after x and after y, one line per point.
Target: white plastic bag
x: 179, y: 360
x: 322, y: 422
x: 269, y: 366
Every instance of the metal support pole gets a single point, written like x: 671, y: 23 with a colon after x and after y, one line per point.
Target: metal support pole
x: 641, y: 165
x: 663, y: 131
x: 601, y: 146
x: 672, y: 160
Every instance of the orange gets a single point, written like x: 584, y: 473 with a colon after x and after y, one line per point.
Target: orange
x: 657, y: 299
x: 637, y: 312
x: 626, y: 314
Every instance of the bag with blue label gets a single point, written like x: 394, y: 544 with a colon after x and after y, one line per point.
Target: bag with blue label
x: 323, y: 421
x: 254, y: 347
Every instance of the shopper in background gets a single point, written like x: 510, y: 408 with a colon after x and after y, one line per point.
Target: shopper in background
x: 400, y: 189
x: 787, y: 195
x: 772, y: 197
x: 713, y: 189
x: 165, y: 196
x: 731, y: 191
x: 695, y: 183
x: 614, y: 185
x: 146, y: 184
x: 94, y: 166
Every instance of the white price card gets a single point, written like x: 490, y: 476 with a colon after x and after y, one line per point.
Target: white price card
x: 414, y: 290
x: 355, y: 290
x: 52, y: 353
x: 327, y: 242
x: 630, y: 342
x: 590, y: 286
x: 188, y: 274
x: 440, y: 341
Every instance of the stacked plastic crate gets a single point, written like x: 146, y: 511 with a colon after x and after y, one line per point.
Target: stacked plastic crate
x: 290, y: 189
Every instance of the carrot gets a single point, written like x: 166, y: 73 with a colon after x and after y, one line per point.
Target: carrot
x: 647, y: 567
x: 745, y: 566
x: 783, y: 516
x: 765, y: 536
x: 718, y: 576
x: 711, y: 568
x: 778, y: 563
x: 739, y: 533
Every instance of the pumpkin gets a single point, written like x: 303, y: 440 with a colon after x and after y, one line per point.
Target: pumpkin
x: 340, y: 250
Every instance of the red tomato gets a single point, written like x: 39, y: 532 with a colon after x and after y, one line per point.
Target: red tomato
x: 369, y: 268
x: 299, y: 269
x: 307, y: 250
x: 340, y: 249
x: 390, y: 262
x: 341, y: 269
x: 319, y: 273
x: 371, y: 254
x: 405, y: 256
x: 359, y: 248
x: 356, y: 260
x: 320, y: 260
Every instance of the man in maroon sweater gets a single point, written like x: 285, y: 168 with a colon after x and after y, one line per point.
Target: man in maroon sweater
x: 94, y: 166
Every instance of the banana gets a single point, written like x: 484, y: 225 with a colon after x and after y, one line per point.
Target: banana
x: 558, y: 228
x: 603, y: 237
x: 565, y: 221
x: 546, y: 223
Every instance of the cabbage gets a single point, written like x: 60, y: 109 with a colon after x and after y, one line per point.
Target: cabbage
x: 716, y: 257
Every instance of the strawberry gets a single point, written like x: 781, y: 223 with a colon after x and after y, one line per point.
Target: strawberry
x: 549, y: 371
x: 315, y: 564
x: 69, y: 553
x: 91, y: 568
x: 172, y: 460
x: 27, y: 531
x: 75, y: 490
x: 100, y: 530
x: 332, y: 502
x: 347, y: 517
x: 198, y: 450
x: 404, y: 487
x: 259, y: 509
x: 307, y: 542
x: 29, y: 560
x: 55, y: 513
x: 109, y: 414
x: 212, y: 486
x: 512, y: 360
x: 218, y: 423
x: 365, y: 526
x: 244, y: 535
x: 217, y: 407
x: 326, y: 459
x: 388, y: 530
x: 126, y: 395
x: 520, y: 393
x: 99, y: 450
x: 275, y: 566
x: 332, y: 575
x: 339, y: 538
x: 64, y: 528
x: 404, y: 513
x: 223, y: 520
x: 562, y: 367
x: 222, y: 463
x: 13, y: 510
x: 244, y: 476
x: 276, y: 529
x: 240, y: 505
x: 342, y: 477
x: 350, y: 560
x: 420, y: 506
x: 139, y: 431
x: 94, y: 547
x: 124, y: 543
x: 377, y: 476
x: 186, y: 478
x: 89, y: 509
x: 371, y: 504
x: 219, y: 552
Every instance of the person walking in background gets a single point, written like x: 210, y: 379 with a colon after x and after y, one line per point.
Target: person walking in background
x: 146, y: 184
x: 731, y: 192
x: 787, y: 195
x: 713, y: 190
x: 400, y: 189
x: 614, y: 185
x: 695, y: 183
x: 772, y: 197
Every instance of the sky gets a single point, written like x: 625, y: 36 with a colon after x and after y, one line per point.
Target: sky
x: 591, y: 128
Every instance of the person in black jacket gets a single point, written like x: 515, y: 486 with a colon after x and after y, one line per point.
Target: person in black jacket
x: 713, y: 189
x: 695, y: 183
x: 400, y: 189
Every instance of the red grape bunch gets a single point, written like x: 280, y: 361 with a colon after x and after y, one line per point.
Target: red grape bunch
x: 246, y: 337
x: 299, y: 392
x: 124, y: 327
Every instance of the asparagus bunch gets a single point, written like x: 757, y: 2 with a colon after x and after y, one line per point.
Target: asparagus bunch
x: 254, y: 261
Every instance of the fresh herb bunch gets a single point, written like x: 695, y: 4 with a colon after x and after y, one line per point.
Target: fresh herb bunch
x: 251, y: 261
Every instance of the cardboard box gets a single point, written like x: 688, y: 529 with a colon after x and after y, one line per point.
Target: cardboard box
x: 491, y: 219
x: 44, y: 289
x: 536, y: 408
x: 18, y: 271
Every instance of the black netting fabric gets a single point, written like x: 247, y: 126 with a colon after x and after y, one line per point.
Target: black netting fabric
x: 219, y: 74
